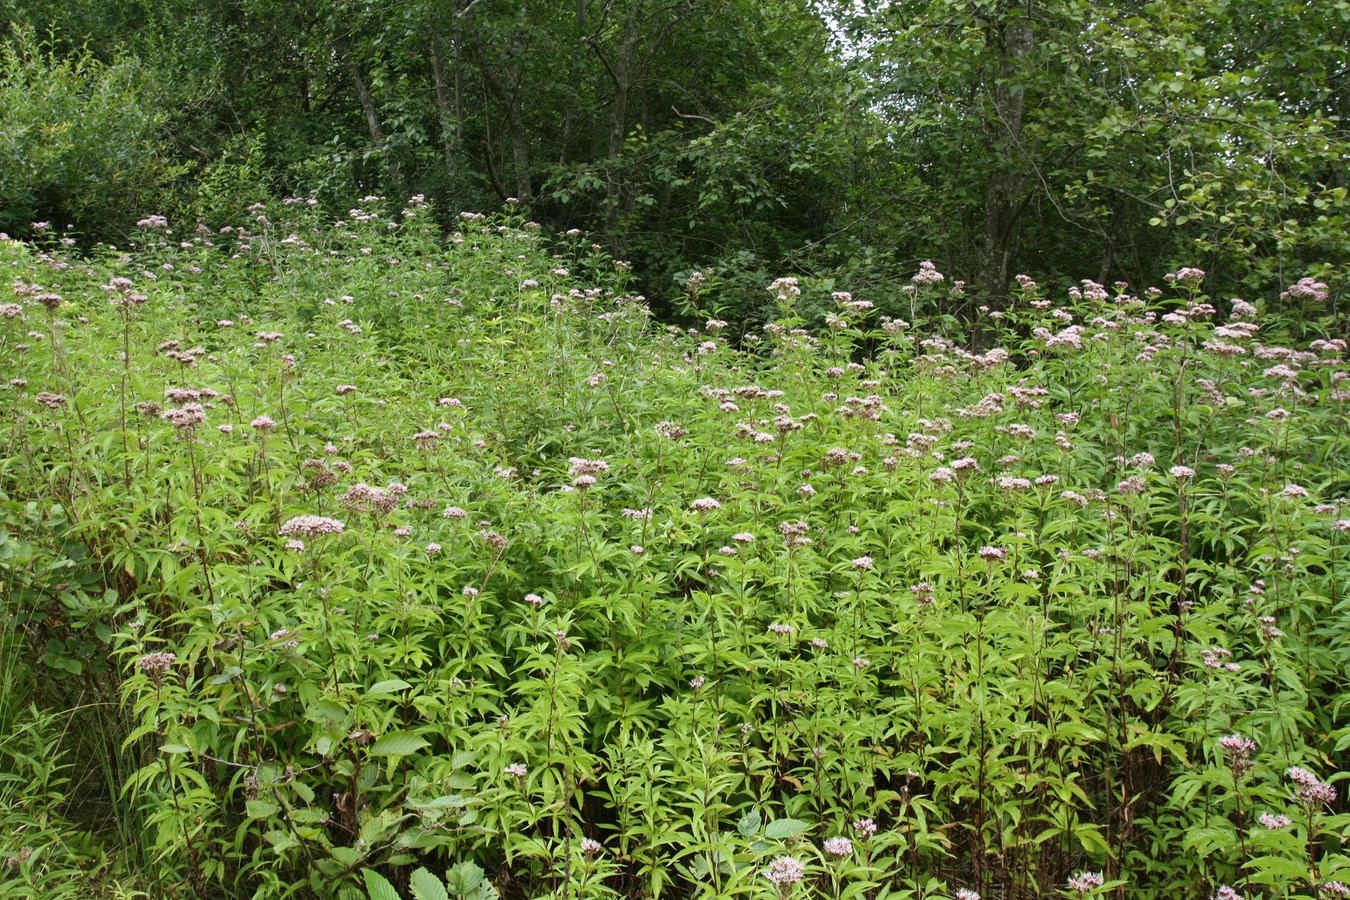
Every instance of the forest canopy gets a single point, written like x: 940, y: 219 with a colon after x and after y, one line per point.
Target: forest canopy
x: 841, y: 141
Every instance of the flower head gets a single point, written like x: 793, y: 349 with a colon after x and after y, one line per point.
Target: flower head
x: 928, y: 275
x: 1311, y: 789
x: 838, y: 846
x: 311, y: 526
x: 785, y: 871
x: 1239, y: 751
x: 1085, y: 882
x: 1274, y: 821
x: 156, y: 665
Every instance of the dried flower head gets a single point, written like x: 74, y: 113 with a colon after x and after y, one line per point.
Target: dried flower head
x: 156, y: 665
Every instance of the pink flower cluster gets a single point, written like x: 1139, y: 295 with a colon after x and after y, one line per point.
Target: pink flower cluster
x: 310, y: 526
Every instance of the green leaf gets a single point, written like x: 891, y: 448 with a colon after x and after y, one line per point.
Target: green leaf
x: 228, y: 675
x: 1276, y: 870
x: 425, y: 886
x: 347, y: 856
x: 398, y: 743
x: 784, y: 829
x: 378, y: 887
x: 750, y: 823
x: 464, y: 878
x: 392, y: 686
x: 260, y: 809
x: 1091, y: 839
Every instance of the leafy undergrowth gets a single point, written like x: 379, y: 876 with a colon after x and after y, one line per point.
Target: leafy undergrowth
x: 347, y: 560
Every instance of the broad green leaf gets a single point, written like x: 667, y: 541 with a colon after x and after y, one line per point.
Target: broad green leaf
x: 464, y: 878
x: 378, y: 887
x: 784, y: 829
x: 425, y: 886
x: 392, y: 686
x: 398, y: 743
x: 260, y: 809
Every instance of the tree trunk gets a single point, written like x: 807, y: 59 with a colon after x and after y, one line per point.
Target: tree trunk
x: 508, y: 95
x: 450, y: 135
x: 372, y: 114
x: 622, y: 73
x: 1112, y: 241
x: 1004, y: 200
x: 576, y: 74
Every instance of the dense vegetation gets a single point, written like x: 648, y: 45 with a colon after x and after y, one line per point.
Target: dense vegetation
x: 358, y: 560
x: 367, y: 548
x: 843, y: 141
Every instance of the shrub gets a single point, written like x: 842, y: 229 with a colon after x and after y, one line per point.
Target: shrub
x: 78, y: 141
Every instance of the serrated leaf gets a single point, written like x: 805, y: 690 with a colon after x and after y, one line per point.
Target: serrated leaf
x: 378, y: 887
x: 260, y: 809
x: 326, y: 713
x: 1091, y: 839
x: 346, y: 856
x: 398, y: 743
x: 784, y: 829
x: 392, y: 686
x: 750, y: 823
x: 425, y: 886
x: 228, y: 675
x: 1276, y: 870
x: 463, y: 878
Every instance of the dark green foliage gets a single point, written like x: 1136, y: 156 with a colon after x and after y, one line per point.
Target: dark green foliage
x: 615, y: 610
x: 80, y: 141
x: 840, y: 141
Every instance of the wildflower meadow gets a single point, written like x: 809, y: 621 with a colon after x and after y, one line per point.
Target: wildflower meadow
x: 356, y: 559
